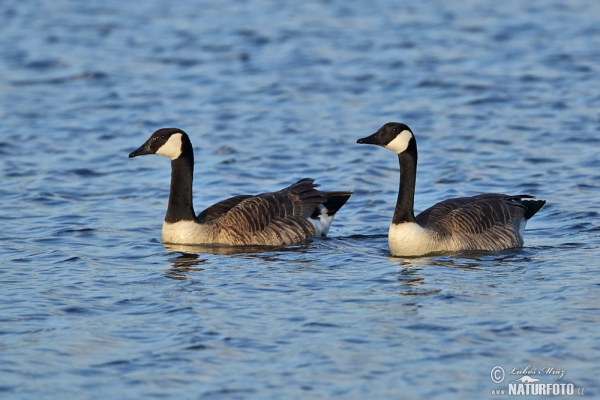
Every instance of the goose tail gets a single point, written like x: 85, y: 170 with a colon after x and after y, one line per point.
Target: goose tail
x: 532, y: 207
x: 322, y: 216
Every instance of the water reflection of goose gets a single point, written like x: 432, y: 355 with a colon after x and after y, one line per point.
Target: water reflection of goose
x: 485, y: 222
x: 274, y: 219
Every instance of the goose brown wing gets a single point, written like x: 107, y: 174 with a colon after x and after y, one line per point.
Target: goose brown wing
x: 276, y: 218
x: 217, y: 210
x: 484, y: 221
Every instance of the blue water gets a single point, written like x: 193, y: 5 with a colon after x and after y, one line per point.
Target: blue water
x: 502, y: 97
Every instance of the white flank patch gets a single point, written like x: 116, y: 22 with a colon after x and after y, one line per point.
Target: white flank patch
x: 522, y: 225
x: 410, y: 239
x: 400, y: 142
x: 172, y: 148
x: 322, y: 222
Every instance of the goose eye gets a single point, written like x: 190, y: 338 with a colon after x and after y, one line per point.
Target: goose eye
x: 395, y: 130
x: 163, y: 137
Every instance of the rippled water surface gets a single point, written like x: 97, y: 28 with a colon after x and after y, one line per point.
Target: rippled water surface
x: 502, y: 97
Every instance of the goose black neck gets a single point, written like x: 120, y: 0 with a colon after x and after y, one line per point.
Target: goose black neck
x: 181, y: 207
x: 406, y: 193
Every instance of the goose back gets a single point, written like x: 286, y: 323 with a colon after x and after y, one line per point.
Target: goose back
x: 275, y: 219
x: 217, y: 210
x: 488, y: 221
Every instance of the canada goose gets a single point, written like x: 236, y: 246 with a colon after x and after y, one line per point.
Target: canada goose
x: 485, y: 222
x: 273, y: 219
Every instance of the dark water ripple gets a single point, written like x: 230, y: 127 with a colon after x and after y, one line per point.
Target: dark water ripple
x: 501, y: 97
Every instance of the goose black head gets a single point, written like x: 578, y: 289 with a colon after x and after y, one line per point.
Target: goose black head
x: 168, y: 142
x: 394, y: 136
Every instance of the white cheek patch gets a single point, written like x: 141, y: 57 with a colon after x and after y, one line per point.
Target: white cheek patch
x: 400, y: 142
x: 172, y: 148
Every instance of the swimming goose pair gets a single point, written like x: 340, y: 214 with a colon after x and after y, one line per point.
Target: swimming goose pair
x: 289, y: 216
